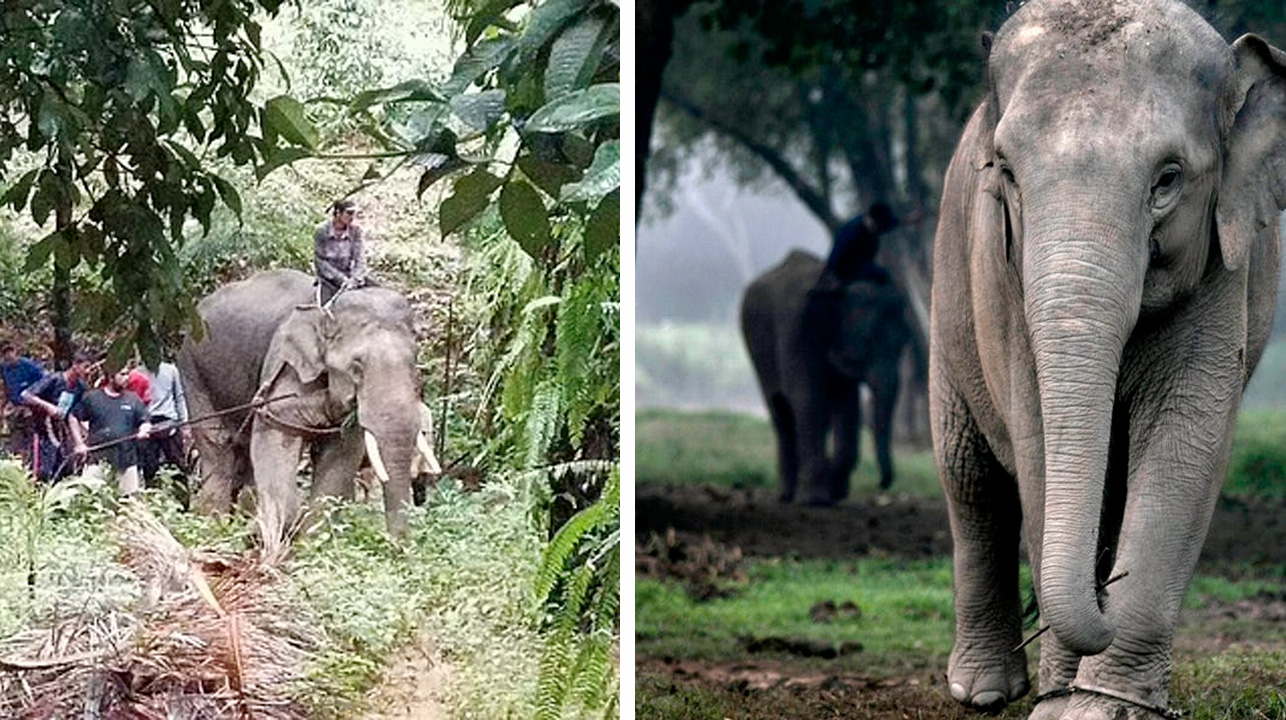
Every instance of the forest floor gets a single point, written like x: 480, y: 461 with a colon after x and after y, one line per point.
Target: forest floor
x: 1245, y: 537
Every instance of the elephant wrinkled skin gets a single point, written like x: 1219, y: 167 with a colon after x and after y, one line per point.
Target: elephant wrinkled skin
x: 810, y: 386
x: 266, y: 335
x: 1105, y: 273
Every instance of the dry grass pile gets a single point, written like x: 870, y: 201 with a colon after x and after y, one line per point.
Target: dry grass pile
x: 211, y: 637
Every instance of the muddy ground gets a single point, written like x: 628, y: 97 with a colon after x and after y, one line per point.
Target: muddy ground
x: 718, y: 525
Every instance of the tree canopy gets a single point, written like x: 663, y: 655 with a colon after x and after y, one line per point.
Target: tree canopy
x: 109, y: 114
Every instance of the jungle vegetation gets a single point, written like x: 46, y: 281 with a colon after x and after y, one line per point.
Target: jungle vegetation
x: 151, y: 150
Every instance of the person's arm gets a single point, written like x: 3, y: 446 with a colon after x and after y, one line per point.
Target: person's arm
x: 31, y: 396
x: 326, y: 270
x: 78, y: 434
x: 358, y: 256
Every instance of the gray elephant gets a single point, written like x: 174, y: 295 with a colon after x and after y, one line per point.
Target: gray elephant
x: 810, y: 376
x: 267, y: 338
x: 1105, y: 272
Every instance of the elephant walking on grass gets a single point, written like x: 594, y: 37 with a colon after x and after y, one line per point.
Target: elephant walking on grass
x: 1105, y: 274
x: 266, y: 337
x: 810, y: 360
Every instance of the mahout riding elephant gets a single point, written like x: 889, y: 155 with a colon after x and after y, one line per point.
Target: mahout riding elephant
x: 1105, y: 271
x: 266, y: 338
x: 811, y: 361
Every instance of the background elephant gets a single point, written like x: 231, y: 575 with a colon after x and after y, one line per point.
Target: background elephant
x: 811, y: 385
x: 1104, y: 279
x: 266, y: 335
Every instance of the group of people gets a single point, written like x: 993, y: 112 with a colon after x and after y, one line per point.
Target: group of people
x: 126, y: 420
x: 118, y: 416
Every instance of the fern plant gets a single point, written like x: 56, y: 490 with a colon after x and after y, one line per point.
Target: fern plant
x: 579, y: 582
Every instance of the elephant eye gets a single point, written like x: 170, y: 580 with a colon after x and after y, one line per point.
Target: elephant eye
x: 1167, y: 184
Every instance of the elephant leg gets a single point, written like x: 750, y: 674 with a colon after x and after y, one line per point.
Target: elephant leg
x: 217, y: 468
x: 1173, y: 486
x: 984, y: 670
x: 847, y: 427
x: 783, y: 421
x: 883, y: 382
x: 274, y: 454
x: 813, y: 419
x: 335, y: 464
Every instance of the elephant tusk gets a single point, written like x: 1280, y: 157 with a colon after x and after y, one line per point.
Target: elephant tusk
x: 377, y: 462
x: 431, y: 464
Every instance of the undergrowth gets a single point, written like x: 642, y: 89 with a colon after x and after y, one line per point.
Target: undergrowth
x: 465, y: 578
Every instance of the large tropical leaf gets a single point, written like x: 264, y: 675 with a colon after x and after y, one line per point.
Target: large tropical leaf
x: 577, y: 109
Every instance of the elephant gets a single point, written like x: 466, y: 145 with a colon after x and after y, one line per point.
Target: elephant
x: 810, y: 376
x: 266, y: 338
x: 1105, y: 272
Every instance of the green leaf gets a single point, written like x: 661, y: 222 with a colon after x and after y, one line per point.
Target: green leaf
x: 17, y: 193
x: 603, y: 176
x: 548, y: 176
x: 479, y: 110
x: 38, y: 254
x: 188, y: 158
x: 482, y: 19
x: 546, y: 21
x: 480, y: 59
x: 603, y: 231
x: 228, y: 193
x: 437, y: 169
x: 577, y: 109
x: 408, y: 91
x: 472, y: 194
x: 574, y: 56
x: 49, y: 116
x: 525, y: 216
x: 285, y: 116
x: 275, y: 157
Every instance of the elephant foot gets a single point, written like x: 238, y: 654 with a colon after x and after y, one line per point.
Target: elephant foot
x: 821, y: 501
x: 1096, y: 704
x: 886, y: 482
x: 987, y: 678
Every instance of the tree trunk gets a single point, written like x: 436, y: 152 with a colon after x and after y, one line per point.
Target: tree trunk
x: 60, y: 299
x: 655, y: 34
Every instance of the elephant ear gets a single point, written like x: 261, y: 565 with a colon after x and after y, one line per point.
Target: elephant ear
x: 299, y: 343
x: 1253, y: 191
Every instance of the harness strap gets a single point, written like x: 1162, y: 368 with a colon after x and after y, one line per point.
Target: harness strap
x: 1167, y: 713
x: 266, y: 414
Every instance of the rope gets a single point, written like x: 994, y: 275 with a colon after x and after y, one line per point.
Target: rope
x: 1164, y: 712
x: 301, y: 429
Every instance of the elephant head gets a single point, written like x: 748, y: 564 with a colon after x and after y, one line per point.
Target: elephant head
x: 872, y: 328
x: 1132, y: 158
x: 357, y: 355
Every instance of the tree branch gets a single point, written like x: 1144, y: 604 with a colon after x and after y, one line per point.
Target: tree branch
x: 816, y: 202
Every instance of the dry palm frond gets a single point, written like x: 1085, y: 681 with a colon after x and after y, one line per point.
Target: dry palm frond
x: 212, y: 638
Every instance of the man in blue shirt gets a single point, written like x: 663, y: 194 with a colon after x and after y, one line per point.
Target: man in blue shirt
x: 19, y: 373
x: 51, y: 400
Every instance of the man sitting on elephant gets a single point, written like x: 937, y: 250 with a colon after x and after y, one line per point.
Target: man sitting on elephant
x: 338, y: 253
x: 853, y: 250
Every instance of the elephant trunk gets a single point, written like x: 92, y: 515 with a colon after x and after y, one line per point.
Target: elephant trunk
x: 391, y: 426
x: 1082, y: 294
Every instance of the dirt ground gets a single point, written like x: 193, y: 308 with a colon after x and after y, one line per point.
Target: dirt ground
x: 718, y: 526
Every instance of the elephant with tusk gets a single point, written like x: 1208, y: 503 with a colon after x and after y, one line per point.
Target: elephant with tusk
x: 1105, y: 272
x: 266, y: 338
x: 425, y: 468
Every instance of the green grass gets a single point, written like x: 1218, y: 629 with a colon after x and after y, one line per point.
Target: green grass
x: 905, y: 611
x: 464, y: 578
x: 736, y: 450
x: 717, y: 447
x: 1258, y: 467
x: 906, y: 626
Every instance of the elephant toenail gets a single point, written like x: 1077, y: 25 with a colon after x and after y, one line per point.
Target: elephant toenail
x: 989, y: 700
x: 958, y: 692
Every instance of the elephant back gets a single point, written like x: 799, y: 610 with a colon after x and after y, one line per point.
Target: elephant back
x: 873, y: 325
x: 239, y: 321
